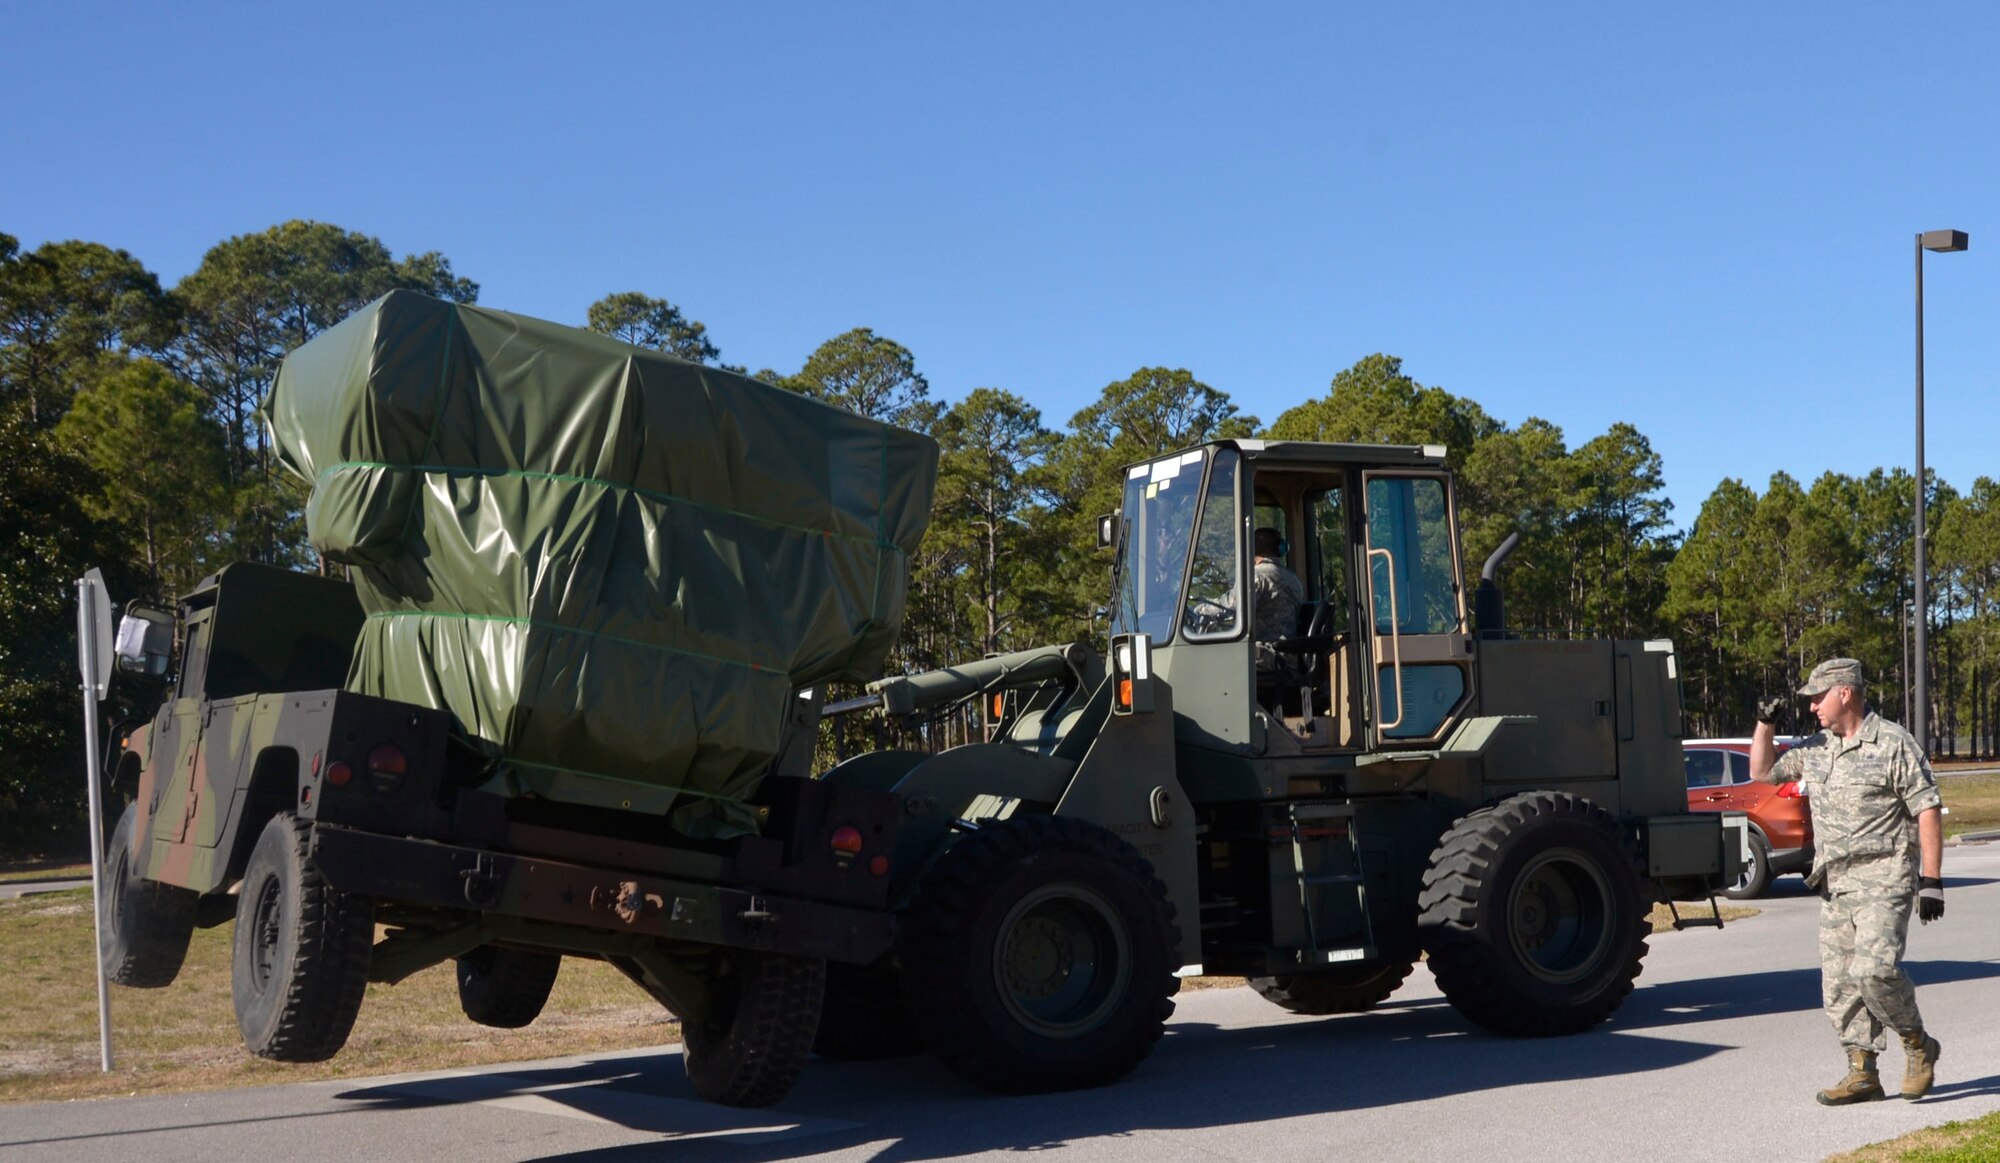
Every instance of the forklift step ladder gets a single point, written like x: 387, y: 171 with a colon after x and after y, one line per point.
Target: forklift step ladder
x: 1311, y: 824
x: 1696, y: 921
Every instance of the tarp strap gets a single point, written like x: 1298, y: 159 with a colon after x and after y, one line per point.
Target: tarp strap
x: 650, y: 494
x: 542, y: 624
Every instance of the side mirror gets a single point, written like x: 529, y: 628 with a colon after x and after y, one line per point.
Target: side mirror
x: 145, y: 644
x: 1107, y: 531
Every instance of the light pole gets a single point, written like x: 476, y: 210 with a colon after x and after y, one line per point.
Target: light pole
x: 1942, y: 241
x: 1905, y: 612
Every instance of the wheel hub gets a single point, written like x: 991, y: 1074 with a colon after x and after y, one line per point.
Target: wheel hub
x: 1559, y: 913
x: 1061, y: 961
x: 264, y: 953
x: 1039, y: 957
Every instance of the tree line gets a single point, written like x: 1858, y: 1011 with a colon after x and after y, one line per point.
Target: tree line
x: 129, y: 440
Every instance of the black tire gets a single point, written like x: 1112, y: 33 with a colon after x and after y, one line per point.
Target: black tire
x: 1533, y: 917
x: 299, y: 961
x: 863, y: 1018
x: 506, y: 988
x: 1037, y: 956
x: 1341, y: 989
x: 753, y: 1052
x: 146, y: 924
x: 1756, y: 876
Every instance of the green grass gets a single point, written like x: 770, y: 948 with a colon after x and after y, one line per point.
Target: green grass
x: 1975, y: 1141
x: 184, y: 1037
x: 1973, y: 801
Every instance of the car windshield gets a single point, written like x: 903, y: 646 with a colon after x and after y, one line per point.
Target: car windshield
x: 1156, y: 527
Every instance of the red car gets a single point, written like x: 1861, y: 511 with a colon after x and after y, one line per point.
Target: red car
x: 1718, y: 779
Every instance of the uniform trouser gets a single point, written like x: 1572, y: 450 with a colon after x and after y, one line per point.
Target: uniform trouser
x: 1861, y: 936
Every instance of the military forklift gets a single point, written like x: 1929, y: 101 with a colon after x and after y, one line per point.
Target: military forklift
x: 1313, y: 807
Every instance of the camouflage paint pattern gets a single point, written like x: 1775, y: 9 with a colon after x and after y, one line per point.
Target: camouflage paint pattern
x: 196, y: 779
x: 1867, y: 791
x: 1862, y: 981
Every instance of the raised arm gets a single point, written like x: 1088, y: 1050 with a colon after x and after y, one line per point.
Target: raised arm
x: 1764, y: 739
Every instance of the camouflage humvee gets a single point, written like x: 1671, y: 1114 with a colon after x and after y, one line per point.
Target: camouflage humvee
x: 336, y: 811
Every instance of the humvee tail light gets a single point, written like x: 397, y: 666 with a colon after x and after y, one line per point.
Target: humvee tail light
x: 386, y: 766
x: 1125, y: 694
x: 846, y: 845
x: 338, y: 773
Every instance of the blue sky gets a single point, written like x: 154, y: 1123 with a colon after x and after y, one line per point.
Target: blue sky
x: 1697, y: 219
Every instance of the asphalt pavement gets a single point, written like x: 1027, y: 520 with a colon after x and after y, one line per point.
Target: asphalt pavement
x: 1716, y: 1055
x: 20, y: 888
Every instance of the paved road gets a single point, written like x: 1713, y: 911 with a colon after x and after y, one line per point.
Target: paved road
x: 19, y: 888
x: 1716, y: 1055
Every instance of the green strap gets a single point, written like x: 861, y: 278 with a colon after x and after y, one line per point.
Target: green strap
x: 571, y: 479
x: 557, y: 627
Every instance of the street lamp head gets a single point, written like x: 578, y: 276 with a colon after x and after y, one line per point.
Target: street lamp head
x: 1943, y: 240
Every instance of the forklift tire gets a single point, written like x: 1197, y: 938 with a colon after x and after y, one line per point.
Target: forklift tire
x: 506, y: 988
x: 146, y: 924
x: 1533, y: 915
x: 1038, y: 956
x: 1756, y: 872
x: 863, y: 1018
x: 751, y: 1055
x: 1342, y: 989
x: 299, y: 960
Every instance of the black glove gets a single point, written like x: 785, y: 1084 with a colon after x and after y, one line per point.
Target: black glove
x: 1930, y: 899
x: 1769, y: 708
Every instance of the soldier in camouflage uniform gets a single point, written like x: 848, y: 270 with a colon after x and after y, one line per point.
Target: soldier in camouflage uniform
x: 1878, y: 849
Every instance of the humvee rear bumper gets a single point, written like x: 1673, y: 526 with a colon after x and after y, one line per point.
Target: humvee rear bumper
x: 429, y: 873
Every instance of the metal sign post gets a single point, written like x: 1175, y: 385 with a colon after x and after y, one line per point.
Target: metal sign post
x: 93, y: 640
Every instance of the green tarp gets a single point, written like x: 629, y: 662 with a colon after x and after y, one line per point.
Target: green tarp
x: 613, y: 566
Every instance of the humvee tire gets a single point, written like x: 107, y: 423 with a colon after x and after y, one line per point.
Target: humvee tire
x: 299, y: 959
x: 1756, y: 872
x: 146, y: 924
x: 863, y: 1018
x: 1533, y: 917
x: 505, y: 988
x: 1341, y: 989
x: 753, y: 1054
x: 1038, y: 956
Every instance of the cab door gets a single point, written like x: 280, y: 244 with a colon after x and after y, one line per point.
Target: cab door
x: 1419, y: 651
x: 178, y: 778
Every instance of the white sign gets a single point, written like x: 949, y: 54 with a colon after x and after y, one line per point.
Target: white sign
x: 94, y: 641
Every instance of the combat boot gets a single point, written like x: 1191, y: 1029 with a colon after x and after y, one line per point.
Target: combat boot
x: 1920, y: 1055
x: 1862, y: 1084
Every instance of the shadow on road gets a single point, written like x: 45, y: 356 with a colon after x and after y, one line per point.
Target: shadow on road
x: 1201, y: 1076
x: 1971, y: 1089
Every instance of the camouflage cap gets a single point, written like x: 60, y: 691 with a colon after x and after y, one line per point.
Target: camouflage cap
x: 1832, y: 673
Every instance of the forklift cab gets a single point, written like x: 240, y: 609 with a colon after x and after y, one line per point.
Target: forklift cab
x: 1375, y: 656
